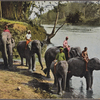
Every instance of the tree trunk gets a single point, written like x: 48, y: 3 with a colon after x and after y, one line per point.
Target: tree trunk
x: 0, y: 10
x: 49, y: 36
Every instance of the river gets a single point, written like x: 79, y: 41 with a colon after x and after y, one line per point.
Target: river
x: 82, y: 36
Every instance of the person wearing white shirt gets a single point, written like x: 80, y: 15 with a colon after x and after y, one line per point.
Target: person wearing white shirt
x: 28, y: 38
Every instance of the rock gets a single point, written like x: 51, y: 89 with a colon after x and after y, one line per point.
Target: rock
x: 18, y: 88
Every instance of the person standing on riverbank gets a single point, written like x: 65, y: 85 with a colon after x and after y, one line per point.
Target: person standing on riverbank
x: 85, y: 56
x: 28, y: 38
x: 66, y: 47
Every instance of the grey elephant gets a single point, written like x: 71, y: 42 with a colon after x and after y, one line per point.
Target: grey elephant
x: 6, y: 46
x: 29, y: 53
x: 77, y: 67
x: 60, y: 75
x: 93, y: 64
x: 50, y: 55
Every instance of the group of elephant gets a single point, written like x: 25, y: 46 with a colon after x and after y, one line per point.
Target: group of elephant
x: 6, y: 47
x: 73, y: 66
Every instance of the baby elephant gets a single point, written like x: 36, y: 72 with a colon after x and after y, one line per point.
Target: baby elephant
x: 60, y: 75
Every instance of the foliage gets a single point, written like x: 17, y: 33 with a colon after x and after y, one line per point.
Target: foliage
x: 73, y: 18
x: 83, y: 10
x: 17, y: 10
x: 19, y: 30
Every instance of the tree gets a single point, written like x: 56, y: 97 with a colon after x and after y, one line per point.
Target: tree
x: 0, y: 10
x: 54, y: 31
x: 74, y: 18
x: 16, y: 10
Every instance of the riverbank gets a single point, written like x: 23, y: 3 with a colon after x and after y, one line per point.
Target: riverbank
x: 21, y: 84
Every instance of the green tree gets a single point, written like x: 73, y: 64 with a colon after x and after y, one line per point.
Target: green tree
x: 17, y: 10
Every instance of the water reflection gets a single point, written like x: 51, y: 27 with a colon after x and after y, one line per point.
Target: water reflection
x: 89, y: 94
x: 80, y: 36
x: 81, y: 93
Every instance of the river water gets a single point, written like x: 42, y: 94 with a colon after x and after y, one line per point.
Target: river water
x: 82, y: 36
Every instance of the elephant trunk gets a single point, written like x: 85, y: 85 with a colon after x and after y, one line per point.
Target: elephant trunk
x: 39, y: 58
x: 4, y: 39
x: 4, y: 51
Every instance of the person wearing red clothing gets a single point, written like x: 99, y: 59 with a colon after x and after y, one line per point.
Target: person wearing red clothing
x: 66, y: 46
x: 6, y: 29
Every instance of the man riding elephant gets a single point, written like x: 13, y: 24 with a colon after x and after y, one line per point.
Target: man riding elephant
x: 6, y: 29
x: 85, y: 56
x: 28, y: 38
x: 59, y: 57
x: 66, y: 48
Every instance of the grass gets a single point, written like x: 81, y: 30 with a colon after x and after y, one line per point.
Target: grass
x: 12, y: 21
x: 33, y: 86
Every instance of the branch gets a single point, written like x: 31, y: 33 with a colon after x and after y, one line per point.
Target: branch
x: 57, y: 15
x: 52, y: 35
x: 60, y: 27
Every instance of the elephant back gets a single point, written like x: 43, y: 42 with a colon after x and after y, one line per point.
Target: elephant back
x: 77, y: 66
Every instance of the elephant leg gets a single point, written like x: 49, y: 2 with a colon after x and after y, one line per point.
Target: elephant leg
x: 40, y: 60
x: 22, y: 61
x: 55, y: 80
x: 48, y: 72
x: 91, y: 76
x: 27, y: 63
x: 67, y: 81
x: 87, y: 77
x: 64, y: 82
x: 5, y: 60
x: 59, y: 85
x: 48, y: 68
x: 30, y: 64
x: 33, y: 63
x: 10, y: 56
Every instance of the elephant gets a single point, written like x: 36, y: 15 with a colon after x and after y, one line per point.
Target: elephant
x: 50, y: 55
x: 77, y: 67
x: 7, y: 44
x: 93, y: 64
x: 60, y: 75
x: 29, y: 53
